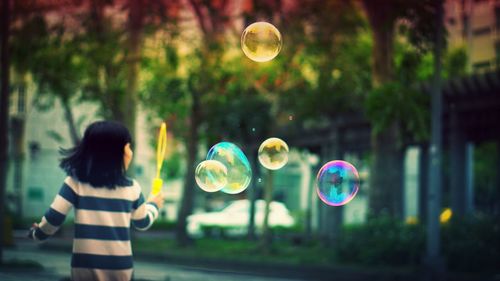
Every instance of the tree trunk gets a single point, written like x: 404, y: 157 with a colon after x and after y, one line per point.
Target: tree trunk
x: 68, y: 114
x: 386, y: 177
x: 308, y: 234
x: 268, y: 197
x: 386, y: 166
x: 129, y: 102
x: 18, y: 136
x: 423, y: 183
x: 4, y: 114
x: 252, y: 195
x: 189, y: 182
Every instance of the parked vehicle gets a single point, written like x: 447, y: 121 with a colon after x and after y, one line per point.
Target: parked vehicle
x: 234, y: 218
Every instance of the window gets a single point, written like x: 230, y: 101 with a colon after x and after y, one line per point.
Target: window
x: 497, y: 17
x: 481, y: 66
x: 21, y: 98
x: 465, y: 20
x: 34, y: 148
x: 497, y: 53
x: 482, y: 31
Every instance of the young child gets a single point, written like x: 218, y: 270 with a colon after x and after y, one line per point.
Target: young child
x: 105, y: 203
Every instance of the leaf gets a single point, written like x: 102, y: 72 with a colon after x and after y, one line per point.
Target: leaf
x: 55, y: 136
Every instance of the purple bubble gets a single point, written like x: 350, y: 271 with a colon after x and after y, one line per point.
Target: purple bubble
x: 337, y: 183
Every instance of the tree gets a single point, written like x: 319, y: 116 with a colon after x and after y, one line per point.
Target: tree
x: 4, y: 110
x: 9, y: 12
x: 54, y: 62
x: 386, y: 168
x: 211, y: 18
x: 89, y: 52
x: 312, y: 79
x: 241, y: 114
x: 178, y: 97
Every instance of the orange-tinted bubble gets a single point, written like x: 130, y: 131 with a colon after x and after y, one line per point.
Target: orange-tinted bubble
x: 261, y: 41
x: 273, y: 153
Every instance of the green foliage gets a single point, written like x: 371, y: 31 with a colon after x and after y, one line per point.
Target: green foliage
x: 394, y: 101
x: 419, y: 24
x: 240, y: 115
x: 469, y: 245
x: 101, y: 49
x: 472, y: 244
x: 455, y: 64
x: 318, y: 74
x: 165, y: 90
x: 381, y: 241
x: 26, y: 39
x: 331, y: 61
x: 49, y: 56
x: 21, y: 265
x: 173, y: 166
x: 403, y: 100
x: 486, y: 178
x: 163, y: 225
x: 55, y: 136
x: 239, y: 251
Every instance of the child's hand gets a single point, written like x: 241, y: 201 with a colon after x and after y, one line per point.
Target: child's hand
x: 157, y: 199
x: 34, y: 227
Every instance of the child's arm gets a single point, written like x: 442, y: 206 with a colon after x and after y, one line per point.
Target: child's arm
x: 145, y: 213
x: 55, y: 215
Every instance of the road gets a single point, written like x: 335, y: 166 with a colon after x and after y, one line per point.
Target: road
x: 57, y: 265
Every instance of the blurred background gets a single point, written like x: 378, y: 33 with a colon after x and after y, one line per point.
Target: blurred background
x: 406, y: 91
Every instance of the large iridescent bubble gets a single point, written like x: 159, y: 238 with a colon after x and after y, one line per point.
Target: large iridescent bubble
x: 239, y: 173
x: 273, y: 153
x: 261, y: 41
x: 211, y: 175
x: 337, y: 183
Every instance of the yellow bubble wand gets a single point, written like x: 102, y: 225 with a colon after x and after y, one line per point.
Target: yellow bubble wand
x: 160, y: 155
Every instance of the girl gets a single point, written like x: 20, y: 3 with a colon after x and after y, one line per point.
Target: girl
x: 105, y: 203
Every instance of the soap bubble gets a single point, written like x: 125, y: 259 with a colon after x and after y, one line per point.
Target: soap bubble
x: 273, y: 153
x: 261, y: 41
x: 239, y: 173
x: 337, y: 183
x: 211, y: 175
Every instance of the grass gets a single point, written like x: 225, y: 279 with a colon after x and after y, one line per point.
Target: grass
x: 283, y: 253
x: 239, y: 250
x: 16, y: 264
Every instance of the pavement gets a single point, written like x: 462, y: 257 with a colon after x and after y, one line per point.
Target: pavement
x: 55, y: 258
x: 57, y: 267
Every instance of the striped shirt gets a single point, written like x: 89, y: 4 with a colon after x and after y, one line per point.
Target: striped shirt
x: 101, y: 244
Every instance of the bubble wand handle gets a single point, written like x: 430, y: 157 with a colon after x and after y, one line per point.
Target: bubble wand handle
x: 160, y: 155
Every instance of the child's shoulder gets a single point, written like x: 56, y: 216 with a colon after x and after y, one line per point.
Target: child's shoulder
x: 135, y: 185
x: 72, y: 182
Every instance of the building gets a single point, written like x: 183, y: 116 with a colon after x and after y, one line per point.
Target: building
x: 475, y: 25
x: 37, y: 132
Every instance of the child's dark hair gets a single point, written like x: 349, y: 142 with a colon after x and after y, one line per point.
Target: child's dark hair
x: 98, y: 158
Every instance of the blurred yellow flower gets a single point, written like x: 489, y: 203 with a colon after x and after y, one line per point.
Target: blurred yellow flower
x: 411, y: 220
x: 445, y: 215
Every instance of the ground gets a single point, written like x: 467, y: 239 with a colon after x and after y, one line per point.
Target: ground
x: 57, y: 267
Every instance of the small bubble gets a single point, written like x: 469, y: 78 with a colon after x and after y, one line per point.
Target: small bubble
x: 273, y: 153
x: 337, y: 183
x: 261, y: 41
